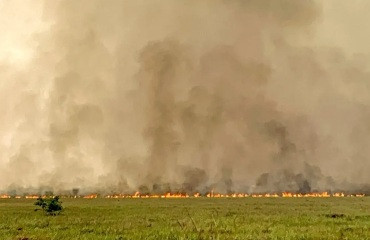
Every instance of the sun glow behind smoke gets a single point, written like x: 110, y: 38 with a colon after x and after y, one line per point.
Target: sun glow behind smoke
x: 20, y: 22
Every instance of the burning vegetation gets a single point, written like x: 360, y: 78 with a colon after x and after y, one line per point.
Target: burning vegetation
x: 235, y: 96
x: 197, y: 195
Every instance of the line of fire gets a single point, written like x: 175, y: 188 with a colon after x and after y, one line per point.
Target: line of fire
x: 195, y: 195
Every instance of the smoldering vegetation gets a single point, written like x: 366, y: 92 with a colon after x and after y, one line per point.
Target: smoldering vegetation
x: 183, y: 96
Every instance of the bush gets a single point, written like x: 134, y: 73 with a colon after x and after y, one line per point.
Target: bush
x: 51, y: 206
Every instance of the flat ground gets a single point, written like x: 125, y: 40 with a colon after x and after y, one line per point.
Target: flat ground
x: 248, y: 218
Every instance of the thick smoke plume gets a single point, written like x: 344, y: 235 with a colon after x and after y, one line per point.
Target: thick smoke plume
x: 188, y: 96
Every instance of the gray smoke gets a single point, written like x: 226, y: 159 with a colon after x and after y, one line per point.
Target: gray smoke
x: 185, y: 96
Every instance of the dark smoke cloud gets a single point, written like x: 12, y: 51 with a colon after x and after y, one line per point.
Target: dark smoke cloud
x: 185, y: 96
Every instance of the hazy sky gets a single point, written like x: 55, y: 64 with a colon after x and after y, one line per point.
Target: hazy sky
x: 343, y: 24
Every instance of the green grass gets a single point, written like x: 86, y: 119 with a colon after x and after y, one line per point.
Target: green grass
x: 249, y: 218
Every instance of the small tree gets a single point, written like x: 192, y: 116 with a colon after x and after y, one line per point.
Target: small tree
x: 51, y: 206
x: 75, y: 191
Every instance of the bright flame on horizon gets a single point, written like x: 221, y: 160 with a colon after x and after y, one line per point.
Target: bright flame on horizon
x: 197, y: 195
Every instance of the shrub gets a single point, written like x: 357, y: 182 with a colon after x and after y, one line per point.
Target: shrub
x: 51, y: 206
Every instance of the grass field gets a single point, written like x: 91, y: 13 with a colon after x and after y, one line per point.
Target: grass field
x: 247, y: 218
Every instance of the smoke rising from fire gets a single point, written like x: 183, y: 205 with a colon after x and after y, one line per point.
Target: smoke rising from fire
x: 119, y: 96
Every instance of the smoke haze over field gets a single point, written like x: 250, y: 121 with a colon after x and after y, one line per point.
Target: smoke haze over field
x: 118, y: 96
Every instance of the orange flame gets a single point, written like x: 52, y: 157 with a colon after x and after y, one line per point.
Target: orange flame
x: 3, y: 196
x: 91, y: 196
x: 211, y: 194
x: 32, y: 196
